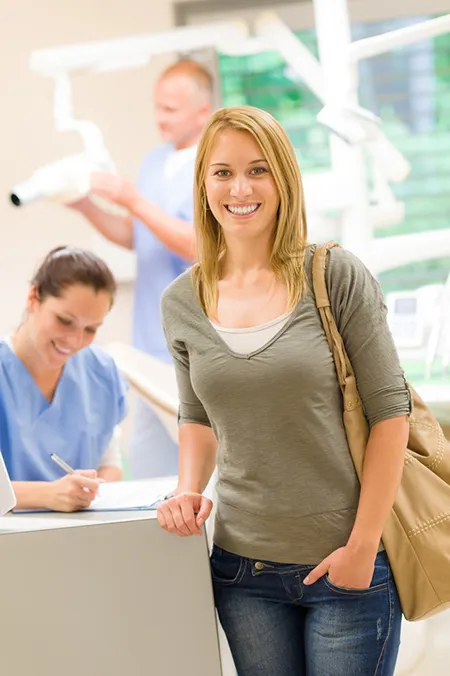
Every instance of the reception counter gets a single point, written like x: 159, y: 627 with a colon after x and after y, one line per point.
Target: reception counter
x: 104, y: 594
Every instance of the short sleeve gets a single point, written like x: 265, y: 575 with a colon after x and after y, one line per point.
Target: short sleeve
x: 120, y: 390
x: 358, y: 306
x: 190, y: 408
x: 104, y: 374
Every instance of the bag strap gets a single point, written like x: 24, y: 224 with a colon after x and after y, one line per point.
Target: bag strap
x: 341, y: 360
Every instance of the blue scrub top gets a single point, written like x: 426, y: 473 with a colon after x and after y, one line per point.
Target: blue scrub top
x: 90, y: 400
x: 157, y: 267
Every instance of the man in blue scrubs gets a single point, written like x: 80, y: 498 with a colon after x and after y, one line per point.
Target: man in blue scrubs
x: 159, y: 228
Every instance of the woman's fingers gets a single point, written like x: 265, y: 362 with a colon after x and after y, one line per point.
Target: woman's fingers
x: 84, y: 501
x: 178, y: 519
x: 204, y: 511
x: 188, y: 515
x: 178, y: 514
x: 167, y: 517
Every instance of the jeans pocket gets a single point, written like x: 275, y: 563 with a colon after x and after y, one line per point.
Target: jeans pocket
x: 226, y: 568
x: 379, y: 581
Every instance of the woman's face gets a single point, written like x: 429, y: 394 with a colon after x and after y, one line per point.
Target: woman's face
x: 240, y: 188
x: 61, y: 326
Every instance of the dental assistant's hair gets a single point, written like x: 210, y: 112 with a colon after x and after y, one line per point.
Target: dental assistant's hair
x: 66, y: 266
x: 290, y: 232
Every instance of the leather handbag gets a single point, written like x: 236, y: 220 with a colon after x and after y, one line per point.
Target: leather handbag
x: 417, y: 533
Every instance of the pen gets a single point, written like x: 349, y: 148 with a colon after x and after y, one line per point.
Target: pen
x: 59, y: 461
x: 65, y: 466
x: 162, y: 498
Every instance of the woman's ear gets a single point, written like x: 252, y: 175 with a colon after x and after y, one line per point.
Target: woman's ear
x: 32, y: 299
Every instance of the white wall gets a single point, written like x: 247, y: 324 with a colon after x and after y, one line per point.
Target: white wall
x: 121, y: 103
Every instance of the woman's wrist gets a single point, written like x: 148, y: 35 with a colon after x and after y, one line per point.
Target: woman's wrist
x: 187, y: 488
x: 33, y: 494
x: 46, y: 494
x: 366, y: 544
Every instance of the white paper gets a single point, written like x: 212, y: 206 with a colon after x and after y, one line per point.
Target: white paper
x: 118, y: 495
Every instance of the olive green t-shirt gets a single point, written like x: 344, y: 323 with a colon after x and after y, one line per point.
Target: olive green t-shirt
x: 287, y: 489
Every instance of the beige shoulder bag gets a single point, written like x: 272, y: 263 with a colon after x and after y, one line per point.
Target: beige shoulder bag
x: 417, y: 533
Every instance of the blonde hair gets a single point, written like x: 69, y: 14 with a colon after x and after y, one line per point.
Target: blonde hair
x: 289, y: 236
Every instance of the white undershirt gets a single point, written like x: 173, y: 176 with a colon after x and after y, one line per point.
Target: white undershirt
x: 245, y: 341
x: 112, y: 456
x: 177, y: 159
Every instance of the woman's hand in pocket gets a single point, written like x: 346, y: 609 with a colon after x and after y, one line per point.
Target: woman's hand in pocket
x: 184, y: 514
x: 346, y: 567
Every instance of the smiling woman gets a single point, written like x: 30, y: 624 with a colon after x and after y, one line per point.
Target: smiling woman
x: 300, y: 580
x: 248, y: 198
x: 59, y: 394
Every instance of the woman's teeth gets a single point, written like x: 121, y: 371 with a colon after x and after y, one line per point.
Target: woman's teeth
x: 242, y: 211
x: 60, y: 349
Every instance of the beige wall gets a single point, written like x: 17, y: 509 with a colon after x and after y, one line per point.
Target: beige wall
x: 119, y: 102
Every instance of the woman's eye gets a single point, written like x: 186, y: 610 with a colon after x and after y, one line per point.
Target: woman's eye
x: 64, y: 322
x: 222, y: 173
x: 259, y: 170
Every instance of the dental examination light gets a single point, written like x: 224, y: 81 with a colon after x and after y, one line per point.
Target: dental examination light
x: 379, y: 44
x: 69, y: 178
x: 353, y: 124
x: 356, y: 125
x: 276, y: 36
x: 66, y: 179
x: 136, y: 50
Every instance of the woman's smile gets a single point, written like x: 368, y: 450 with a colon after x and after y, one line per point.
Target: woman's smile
x: 242, y: 210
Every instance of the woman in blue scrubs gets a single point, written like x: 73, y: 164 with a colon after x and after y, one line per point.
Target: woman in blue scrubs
x: 58, y: 393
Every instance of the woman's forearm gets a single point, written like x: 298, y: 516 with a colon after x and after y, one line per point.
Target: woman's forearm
x: 31, y: 494
x: 109, y: 473
x: 197, y: 457
x: 382, y: 473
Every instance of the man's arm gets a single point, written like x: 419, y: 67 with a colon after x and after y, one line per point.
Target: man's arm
x: 175, y: 233
x: 118, y: 229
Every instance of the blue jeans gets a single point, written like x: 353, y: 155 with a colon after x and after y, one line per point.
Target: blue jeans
x: 276, y: 626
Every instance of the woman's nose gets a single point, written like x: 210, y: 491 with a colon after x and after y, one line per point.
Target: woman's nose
x: 76, y: 340
x: 240, y: 187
